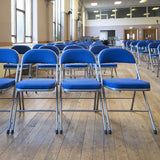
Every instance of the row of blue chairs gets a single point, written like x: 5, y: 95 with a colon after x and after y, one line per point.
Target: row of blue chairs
x: 78, y: 56
x: 148, y: 50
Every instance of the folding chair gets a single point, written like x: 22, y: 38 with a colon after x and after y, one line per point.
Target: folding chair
x: 72, y: 47
x: 142, y: 50
x: 153, y: 55
x: 96, y: 50
x: 60, y: 46
x: 79, y: 85
x: 158, y: 50
x: 9, y: 56
x: 21, y: 49
x: 116, y: 55
x: 36, y: 85
x: 47, y: 66
x: 36, y: 46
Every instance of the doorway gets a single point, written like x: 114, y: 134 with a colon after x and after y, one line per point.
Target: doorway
x: 130, y: 34
x: 149, y: 34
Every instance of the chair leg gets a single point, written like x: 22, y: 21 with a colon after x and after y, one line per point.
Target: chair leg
x: 149, y: 112
x: 36, y: 72
x: 60, y: 111
x: 115, y: 72
x: 103, y: 119
x: 5, y: 73
x: 105, y: 107
x: 56, y: 110
x: 133, y: 100
x: 22, y: 101
x: 158, y: 69
x: 14, y: 114
x: 11, y: 112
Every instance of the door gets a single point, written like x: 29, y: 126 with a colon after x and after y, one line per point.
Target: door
x: 149, y: 34
x: 130, y: 34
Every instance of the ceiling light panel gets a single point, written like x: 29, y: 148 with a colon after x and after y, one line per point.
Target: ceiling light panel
x: 93, y: 4
x: 117, y: 2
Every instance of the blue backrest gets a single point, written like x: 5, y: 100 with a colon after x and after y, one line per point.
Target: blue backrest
x: 153, y: 45
x: 158, y: 48
x: 36, y: 46
x: 48, y: 44
x: 9, y: 56
x: 40, y: 56
x: 51, y: 47
x: 116, y: 55
x: 60, y: 46
x: 21, y: 49
x: 85, y: 46
x: 77, y: 56
x: 72, y: 47
x: 97, y: 49
x: 142, y: 44
x: 133, y: 43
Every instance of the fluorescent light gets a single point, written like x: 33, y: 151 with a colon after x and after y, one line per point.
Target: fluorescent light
x: 128, y: 14
x: 149, y: 27
x: 93, y: 4
x: 155, y: 8
x: 142, y: 1
x: 133, y: 9
x: 96, y: 11
x: 146, y: 14
x: 114, y: 10
x: 117, y: 2
x: 130, y: 27
x: 97, y: 15
x: 112, y: 15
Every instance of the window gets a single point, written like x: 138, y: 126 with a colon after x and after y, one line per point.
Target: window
x: 123, y: 13
x: 139, y: 12
x: 154, y: 11
x: 21, y: 21
x: 56, y: 20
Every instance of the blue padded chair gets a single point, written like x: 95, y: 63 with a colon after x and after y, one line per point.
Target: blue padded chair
x: 133, y: 45
x: 21, y: 49
x: 118, y: 55
x: 142, y: 50
x: 128, y: 45
x: 153, y: 56
x: 45, y: 56
x: 79, y: 85
x: 9, y: 56
x: 96, y: 50
x: 158, y: 49
x: 50, y: 44
x: 36, y: 46
x: 47, y: 66
x: 73, y: 67
x: 60, y: 46
x: 83, y: 45
x: 72, y: 47
x: 124, y: 44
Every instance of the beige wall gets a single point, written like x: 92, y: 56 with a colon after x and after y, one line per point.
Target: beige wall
x: 5, y: 22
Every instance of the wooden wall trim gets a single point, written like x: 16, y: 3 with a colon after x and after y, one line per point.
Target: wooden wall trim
x: 5, y: 43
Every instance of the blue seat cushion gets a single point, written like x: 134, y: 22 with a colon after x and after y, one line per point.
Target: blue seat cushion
x: 6, y: 83
x: 46, y: 66
x: 81, y: 84
x: 125, y: 83
x: 36, y: 84
x: 106, y: 65
x: 75, y: 65
x: 14, y: 66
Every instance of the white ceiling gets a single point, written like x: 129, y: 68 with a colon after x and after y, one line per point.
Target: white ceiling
x: 125, y: 3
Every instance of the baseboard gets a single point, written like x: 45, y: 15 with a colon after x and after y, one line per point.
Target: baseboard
x: 5, y: 43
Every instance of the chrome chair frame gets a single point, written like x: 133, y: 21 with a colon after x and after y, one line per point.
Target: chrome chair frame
x: 98, y: 91
x: 34, y: 58
x: 130, y: 59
